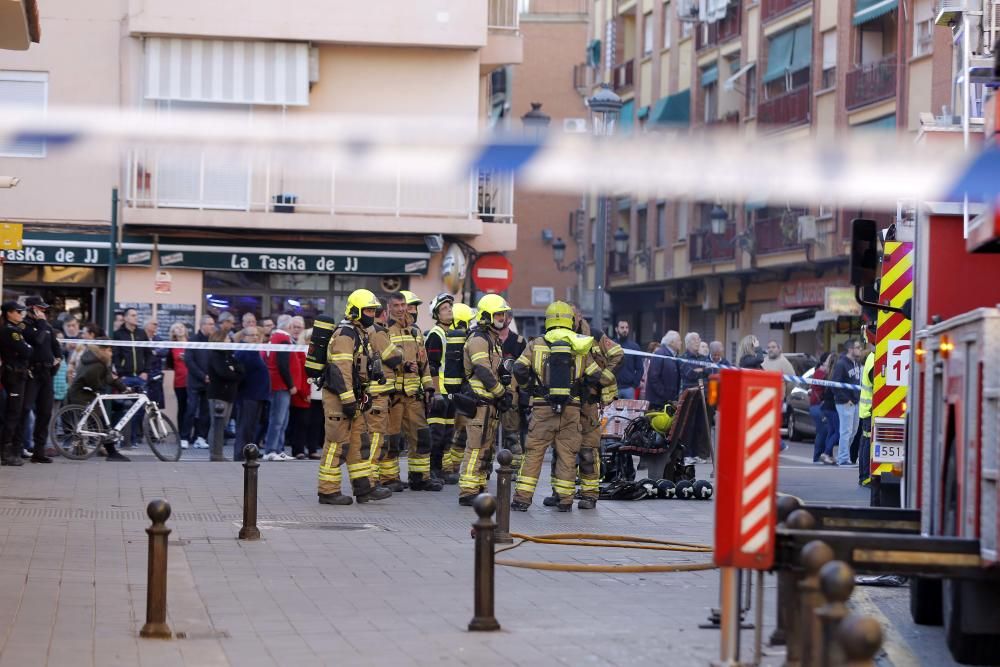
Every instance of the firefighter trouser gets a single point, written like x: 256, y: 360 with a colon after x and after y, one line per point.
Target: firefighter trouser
x: 590, y: 450
x: 406, y: 418
x: 377, y: 428
x: 456, y: 452
x: 481, y: 436
x: 441, y: 421
x: 561, y: 431
x: 510, y: 425
x: 343, y: 444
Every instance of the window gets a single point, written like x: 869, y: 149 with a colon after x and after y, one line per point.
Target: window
x: 751, y: 77
x: 829, y: 78
x: 647, y: 33
x: 592, y: 253
x: 661, y: 225
x: 24, y: 90
x: 667, y: 25
x: 789, y: 56
x: 687, y: 27
x: 923, y: 27
x: 710, y: 93
x: 682, y: 221
x: 640, y: 232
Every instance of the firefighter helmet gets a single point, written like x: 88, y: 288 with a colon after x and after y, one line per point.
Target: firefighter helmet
x: 559, y: 314
x: 411, y: 298
x: 703, y: 489
x: 490, y: 306
x: 661, y: 419
x: 359, y: 300
x: 437, y: 301
x: 461, y: 314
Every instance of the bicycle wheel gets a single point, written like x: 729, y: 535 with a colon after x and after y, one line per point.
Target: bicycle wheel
x: 74, y: 437
x: 161, y: 436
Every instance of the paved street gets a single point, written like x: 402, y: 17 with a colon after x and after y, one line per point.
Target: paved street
x: 376, y: 584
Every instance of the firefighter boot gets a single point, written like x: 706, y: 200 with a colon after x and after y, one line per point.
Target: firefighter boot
x: 335, y: 499
x: 430, y: 484
x: 519, y: 506
x: 587, y: 503
x: 378, y: 493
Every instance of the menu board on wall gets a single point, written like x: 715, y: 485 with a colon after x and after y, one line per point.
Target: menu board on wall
x: 168, y: 313
x: 145, y: 310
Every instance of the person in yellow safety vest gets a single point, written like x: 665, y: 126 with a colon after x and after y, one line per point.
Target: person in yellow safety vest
x: 380, y: 389
x: 348, y: 369
x: 440, y: 413
x: 554, y: 367
x: 406, y: 411
x: 482, y: 357
x: 865, y: 411
x: 453, y: 382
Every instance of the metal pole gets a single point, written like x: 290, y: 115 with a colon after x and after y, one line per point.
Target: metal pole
x: 758, y: 628
x: 814, y: 556
x: 156, y: 573
x: 484, y: 619
x: 600, y: 261
x: 112, y: 262
x: 504, y: 474
x: 249, y: 531
x: 730, y: 645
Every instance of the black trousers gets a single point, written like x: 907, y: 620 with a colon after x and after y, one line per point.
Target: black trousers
x: 246, y: 427
x: 297, y: 433
x: 38, y: 396
x: 14, y: 382
x: 317, y: 427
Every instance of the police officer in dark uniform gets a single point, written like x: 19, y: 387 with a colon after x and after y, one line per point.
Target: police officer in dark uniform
x: 15, y: 353
x: 46, y: 355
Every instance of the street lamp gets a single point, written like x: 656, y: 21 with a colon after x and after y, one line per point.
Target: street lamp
x: 559, y: 255
x: 605, y: 106
x: 621, y: 241
x: 536, y: 120
x: 718, y: 220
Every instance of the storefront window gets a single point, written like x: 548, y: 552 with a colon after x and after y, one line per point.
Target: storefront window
x: 76, y: 290
x: 317, y: 282
x: 235, y: 280
x: 237, y: 304
x: 306, y: 306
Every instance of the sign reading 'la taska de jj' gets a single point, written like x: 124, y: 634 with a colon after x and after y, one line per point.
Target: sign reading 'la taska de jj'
x: 388, y: 263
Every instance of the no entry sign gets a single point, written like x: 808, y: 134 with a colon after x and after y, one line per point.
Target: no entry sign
x: 492, y: 273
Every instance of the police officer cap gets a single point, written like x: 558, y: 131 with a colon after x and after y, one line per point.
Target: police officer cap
x: 35, y: 302
x: 8, y: 306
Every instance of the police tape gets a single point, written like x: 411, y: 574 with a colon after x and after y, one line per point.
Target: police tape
x: 190, y: 345
x: 796, y: 379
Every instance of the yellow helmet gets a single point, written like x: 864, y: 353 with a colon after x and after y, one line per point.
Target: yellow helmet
x: 489, y: 306
x: 411, y: 298
x: 462, y: 314
x: 359, y: 300
x: 662, y: 419
x: 559, y: 314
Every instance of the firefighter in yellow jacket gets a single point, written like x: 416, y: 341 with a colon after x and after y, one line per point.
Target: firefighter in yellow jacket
x: 440, y: 413
x: 380, y: 389
x: 348, y: 368
x: 554, y: 367
x: 406, y: 413
x: 482, y: 358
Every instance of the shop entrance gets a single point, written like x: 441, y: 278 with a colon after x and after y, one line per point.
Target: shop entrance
x: 76, y: 290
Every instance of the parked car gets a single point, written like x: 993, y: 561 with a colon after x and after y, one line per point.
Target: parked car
x: 797, y: 423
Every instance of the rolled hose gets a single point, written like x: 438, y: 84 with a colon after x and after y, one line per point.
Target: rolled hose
x: 615, y: 541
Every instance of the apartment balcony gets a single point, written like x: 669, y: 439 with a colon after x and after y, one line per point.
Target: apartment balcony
x: 191, y: 188
x: 777, y: 234
x: 791, y: 108
x: 774, y: 8
x: 504, y: 44
x: 872, y: 82
x: 624, y: 76
x: 706, y: 247
x: 711, y: 34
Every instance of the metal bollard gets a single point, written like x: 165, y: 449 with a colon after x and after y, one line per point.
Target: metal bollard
x: 786, y: 505
x: 249, y: 531
x: 815, y: 555
x: 788, y: 598
x: 156, y: 573
x: 836, y: 581
x: 860, y: 638
x: 484, y: 620
x: 504, y: 474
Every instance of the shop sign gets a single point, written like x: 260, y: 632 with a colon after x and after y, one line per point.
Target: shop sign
x: 163, y: 283
x: 841, y: 300
x: 802, y: 294
x: 295, y: 261
x: 72, y: 252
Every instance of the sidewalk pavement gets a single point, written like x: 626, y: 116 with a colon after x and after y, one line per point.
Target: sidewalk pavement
x: 383, y: 583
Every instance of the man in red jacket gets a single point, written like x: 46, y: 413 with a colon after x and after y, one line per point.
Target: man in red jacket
x: 282, y: 390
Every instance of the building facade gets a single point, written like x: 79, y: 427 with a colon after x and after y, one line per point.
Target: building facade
x: 206, y: 230
x: 788, y: 69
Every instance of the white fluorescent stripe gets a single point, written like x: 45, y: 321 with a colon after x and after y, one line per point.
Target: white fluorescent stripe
x: 762, y: 426
x: 492, y: 273
x: 189, y: 345
x: 760, y: 484
x: 753, y: 517
x: 762, y: 398
x: 293, y: 251
x: 755, y: 543
x: 760, y: 456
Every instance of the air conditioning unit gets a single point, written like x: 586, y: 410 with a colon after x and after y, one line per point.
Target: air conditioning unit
x: 575, y: 125
x: 807, y: 229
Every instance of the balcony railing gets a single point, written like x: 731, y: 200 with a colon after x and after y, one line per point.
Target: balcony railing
x: 710, y: 34
x: 731, y: 118
x: 778, y: 234
x: 504, y: 15
x: 790, y: 108
x: 624, y: 76
x: 191, y: 179
x: 871, y: 83
x: 704, y: 247
x: 773, y: 8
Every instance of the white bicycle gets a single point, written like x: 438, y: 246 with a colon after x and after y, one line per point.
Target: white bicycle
x: 78, y: 431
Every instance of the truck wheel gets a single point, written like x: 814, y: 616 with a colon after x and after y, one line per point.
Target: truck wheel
x: 793, y: 433
x: 972, y: 603
x: 925, y: 601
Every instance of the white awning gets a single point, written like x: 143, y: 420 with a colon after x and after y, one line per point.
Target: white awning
x: 781, y: 316
x: 813, y: 322
x: 730, y: 83
x: 227, y: 71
